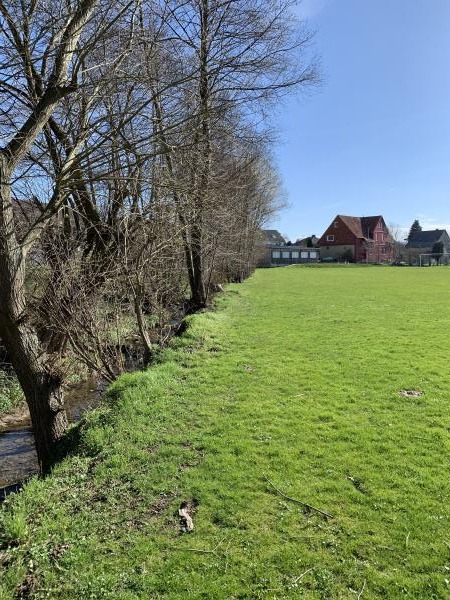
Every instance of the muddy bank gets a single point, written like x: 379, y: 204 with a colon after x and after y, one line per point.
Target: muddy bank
x: 17, y: 417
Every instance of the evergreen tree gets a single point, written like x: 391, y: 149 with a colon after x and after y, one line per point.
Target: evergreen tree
x: 415, y: 227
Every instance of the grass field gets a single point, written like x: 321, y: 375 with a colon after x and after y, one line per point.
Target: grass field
x: 295, y: 379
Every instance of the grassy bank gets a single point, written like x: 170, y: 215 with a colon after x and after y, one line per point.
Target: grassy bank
x: 295, y: 378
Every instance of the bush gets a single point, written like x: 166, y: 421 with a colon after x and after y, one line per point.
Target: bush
x: 10, y: 391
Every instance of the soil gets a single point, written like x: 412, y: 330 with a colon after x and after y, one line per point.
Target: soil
x: 15, y: 418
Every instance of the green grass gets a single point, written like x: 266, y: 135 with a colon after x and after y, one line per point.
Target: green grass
x: 295, y: 376
x: 10, y: 392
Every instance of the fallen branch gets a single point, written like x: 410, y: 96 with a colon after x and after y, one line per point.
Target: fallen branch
x: 297, y: 579
x: 309, y: 506
x: 201, y: 550
x: 361, y: 592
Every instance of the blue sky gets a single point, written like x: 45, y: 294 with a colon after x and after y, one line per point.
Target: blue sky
x: 375, y: 137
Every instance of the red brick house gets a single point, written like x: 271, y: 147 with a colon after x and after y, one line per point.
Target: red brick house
x: 360, y: 239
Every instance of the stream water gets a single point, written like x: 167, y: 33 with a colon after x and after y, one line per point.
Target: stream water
x: 17, y: 452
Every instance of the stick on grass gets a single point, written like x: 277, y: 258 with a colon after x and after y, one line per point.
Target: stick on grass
x: 309, y: 506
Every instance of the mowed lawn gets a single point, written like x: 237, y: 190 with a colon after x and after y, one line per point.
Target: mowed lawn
x: 292, y: 383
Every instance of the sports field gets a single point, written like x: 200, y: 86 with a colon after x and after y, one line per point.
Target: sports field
x: 329, y: 386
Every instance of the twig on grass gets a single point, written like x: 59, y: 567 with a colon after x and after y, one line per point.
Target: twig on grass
x: 200, y: 550
x: 407, y: 539
x: 362, y: 590
x: 226, y: 556
x: 297, y: 579
x: 309, y: 506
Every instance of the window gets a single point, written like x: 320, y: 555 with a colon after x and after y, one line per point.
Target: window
x: 313, y: 255
x: 276, y: 254
x: 383, y: 249
x: 294, y: 254
x: 305, y: 254
x: 335, y: 224
x: 330, y: 238
x: 285, y: 254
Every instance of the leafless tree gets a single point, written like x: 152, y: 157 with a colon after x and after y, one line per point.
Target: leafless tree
x: 243, y: 55
x: 44, y: 49
x: 398, y: 236
x: 131, y: 137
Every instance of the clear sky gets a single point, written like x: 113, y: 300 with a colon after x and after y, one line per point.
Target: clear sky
x: 375, y: 137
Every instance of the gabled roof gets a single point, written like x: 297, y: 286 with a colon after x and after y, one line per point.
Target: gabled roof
x: 361, y: 227
x: 426, y: 238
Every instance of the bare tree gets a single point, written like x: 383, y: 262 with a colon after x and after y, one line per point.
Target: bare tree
x: 399, y: 241
x: 129, y: 134
x: 244, y: 55
x: 44, y: 48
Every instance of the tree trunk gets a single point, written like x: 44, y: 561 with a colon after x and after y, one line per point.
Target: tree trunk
x: 199, y: 292
x: 143, y: 332
x: 198, y: 289
x: 42, y: 388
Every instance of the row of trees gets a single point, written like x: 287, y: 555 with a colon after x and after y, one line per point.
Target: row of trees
x: 134, y: 172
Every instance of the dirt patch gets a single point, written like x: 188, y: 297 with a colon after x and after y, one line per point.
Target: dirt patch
x: 161, y: 503
x: 410, y: 393
x: 27, y: 587
x: 15, y: 418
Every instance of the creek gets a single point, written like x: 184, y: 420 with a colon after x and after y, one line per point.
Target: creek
x: 18, y: 459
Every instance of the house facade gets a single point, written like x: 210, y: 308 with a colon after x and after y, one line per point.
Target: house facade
x: 275, y: 251
x: 293, y: 255
x: 274, y: 255
x: 358, y: 239
x: 423, y: 242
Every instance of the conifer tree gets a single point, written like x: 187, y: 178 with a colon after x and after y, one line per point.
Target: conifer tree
x: 415, y: 227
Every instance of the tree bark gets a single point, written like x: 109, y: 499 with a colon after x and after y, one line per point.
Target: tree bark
x: 199, y: 291
x: 42, y: 388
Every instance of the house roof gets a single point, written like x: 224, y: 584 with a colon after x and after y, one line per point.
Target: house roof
x: 426, y: 238
x: 361, y: 227
x: 304, y: 241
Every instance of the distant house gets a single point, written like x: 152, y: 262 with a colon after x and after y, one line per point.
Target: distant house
x: 292, y: 255
x: 309, y: 242
x: 272, y: 237
x: 280, y: 252
x: 422, y: 242
x: 358, y: 239
x: 425, y: 240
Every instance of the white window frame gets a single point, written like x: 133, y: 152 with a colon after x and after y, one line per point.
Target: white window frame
x: 285, y: 254
x: 276, y: 254
x: 330, y: 238
x: 294, y: 254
